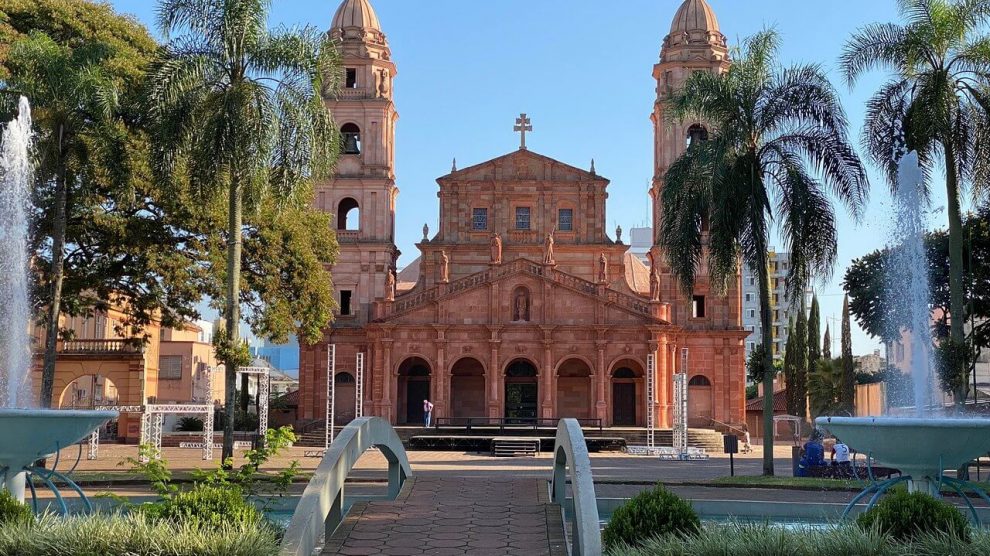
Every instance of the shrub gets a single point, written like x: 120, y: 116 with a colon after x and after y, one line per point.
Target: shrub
x: 206, y: 506
x: 12, y: 511
x: 190, y: 424
x: 656, y: 512
x: 905, y: 516
x: 113, y: 535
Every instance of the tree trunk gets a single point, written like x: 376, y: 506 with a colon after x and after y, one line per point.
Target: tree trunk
x: 957, y: 306
x: 58, y: 277
x: 232, y: 311
x: 766, y: 321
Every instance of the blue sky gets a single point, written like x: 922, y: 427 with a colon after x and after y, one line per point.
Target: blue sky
x: 582, y: 71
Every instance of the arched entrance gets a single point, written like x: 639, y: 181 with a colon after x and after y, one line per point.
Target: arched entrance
x: 574, y: 389
x: 87, y: 392
x: 414, y: 387
x: 699, y: 401
x: 467, y: 388
x: 521, y: 391
x: 627, y: 376
x: 344, y: 402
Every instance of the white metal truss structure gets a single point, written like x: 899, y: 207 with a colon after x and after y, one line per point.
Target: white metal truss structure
x: 651, y: 400
x: 94, y: 438
x: 359, y: 387
x: 264, y: 389
x: 681, y: 405
x: 331, y: 391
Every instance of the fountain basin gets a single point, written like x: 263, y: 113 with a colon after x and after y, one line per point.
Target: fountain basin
x: 27, y: 435
x: 921, y: 448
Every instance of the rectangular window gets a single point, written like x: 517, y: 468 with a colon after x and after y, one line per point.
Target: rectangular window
x: 170, y: 367
x: 565, y: 220
x: 752, y: 281
x: 698, y: 307
x: 350, y: 81
x: 345, y: 302
x: 752, y: 313
x: 479, y: 219
x: 749, y: 297
x: 522, y: 218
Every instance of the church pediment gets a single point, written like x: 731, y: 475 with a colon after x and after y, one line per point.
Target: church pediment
x: 571, y: 300
x: 522, y: 165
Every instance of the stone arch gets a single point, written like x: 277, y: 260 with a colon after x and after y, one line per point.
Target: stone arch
x: 89, y: 391
x: 521, y: 390
x: 627, y: 392
x: 345, y: 403
x: 467, y: 388
x: 522, y: 304
x: 348, y: 215
x: 700, y: 401
x: 414, y: 377
x: 574, y: 376
x: 350, y: 136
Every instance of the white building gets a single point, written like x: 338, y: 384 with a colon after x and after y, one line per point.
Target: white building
x: 640, y: 243
x: 780, y: 304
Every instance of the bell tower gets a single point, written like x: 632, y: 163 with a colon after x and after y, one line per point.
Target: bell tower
x: 362, y: 193
x: 694, y: 44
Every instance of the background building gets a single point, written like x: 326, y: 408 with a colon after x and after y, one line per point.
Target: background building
x: 781, y: 307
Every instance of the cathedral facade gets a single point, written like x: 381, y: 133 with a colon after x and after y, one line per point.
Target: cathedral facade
x: 520, y: 305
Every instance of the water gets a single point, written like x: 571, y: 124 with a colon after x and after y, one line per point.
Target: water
x: 15, y: 340
x: 908, y: 283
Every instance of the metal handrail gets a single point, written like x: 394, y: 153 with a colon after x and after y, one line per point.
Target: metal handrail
x: 320, y: 509
x: 728, y: 426
x: 570, y: 452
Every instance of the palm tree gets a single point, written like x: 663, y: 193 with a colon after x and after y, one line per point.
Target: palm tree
x: 772, y: 129
x: 73, y: 102
x: 825, y: 384
x: 936, y: 103
x: 237, y: 111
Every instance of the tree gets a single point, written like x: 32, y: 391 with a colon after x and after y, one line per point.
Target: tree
x: 237, y: 111
x: 935, y: 103
x: 83, y: 66
x: 825, y: 388
x: 801, y: 362
x: 790, y: 367
x: 773, y: 131
x: 827, y: 344
x: 848, y: 392
x: 814, y: 334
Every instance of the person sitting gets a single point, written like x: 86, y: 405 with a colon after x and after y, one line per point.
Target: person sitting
x: 814, y: 455
x: 841, y: 457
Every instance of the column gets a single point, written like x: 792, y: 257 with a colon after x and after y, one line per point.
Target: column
x: 601, y: 407
x: 549, y: 380
x: 494, y: 384
x: 377, y: 383
x: 663, y: 383
x: 389, y: 385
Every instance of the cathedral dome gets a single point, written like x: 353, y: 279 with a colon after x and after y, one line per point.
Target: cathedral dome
x: 356, y: 13
x: 694, y: 15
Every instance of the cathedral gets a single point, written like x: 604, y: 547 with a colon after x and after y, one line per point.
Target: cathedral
x: 521, y: 305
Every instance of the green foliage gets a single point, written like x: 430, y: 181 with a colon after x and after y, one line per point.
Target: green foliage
x: 245, y: 478
x: 153, y: 468
x: 752, y: 392
x: 825, y: 388
x: 800, y: 384
x: 190, y: 424
x: 206, y: 507
x: 135, y: 534
x: 12, y: 512
x: 655, y: 512
x: 814, y: 333
x: 847, y: 394
x: 755, y: 365
x: 906, y: 516
x: 952, y: 358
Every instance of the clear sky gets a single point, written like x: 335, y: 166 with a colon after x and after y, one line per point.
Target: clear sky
x: 582, y: 70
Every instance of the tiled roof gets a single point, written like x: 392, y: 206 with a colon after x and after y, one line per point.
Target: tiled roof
x: 694, y: 15
x: 356, y: 13
x: 779, y: 402
x: 637, y: 274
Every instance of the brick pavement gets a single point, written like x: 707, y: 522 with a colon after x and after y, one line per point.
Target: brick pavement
x: 455, y: 515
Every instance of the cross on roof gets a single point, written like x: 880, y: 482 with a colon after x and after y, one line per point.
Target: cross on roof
x: 523, y: 124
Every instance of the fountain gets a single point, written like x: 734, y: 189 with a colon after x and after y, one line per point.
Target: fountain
x: 26, y: 435
x: 923, y: 446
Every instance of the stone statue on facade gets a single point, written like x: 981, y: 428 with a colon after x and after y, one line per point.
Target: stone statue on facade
x: 496, y: 245
x: 603, y: 269
x: 390, y: 286
x: 444, y: 268
x: 654, y: 286
x: 426, y: 232
x: 618, y: 234
x: 520, y: 312
x: 548, y: 248
x: 383, y: 84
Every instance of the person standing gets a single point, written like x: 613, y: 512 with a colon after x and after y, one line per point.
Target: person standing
x: 427, y: 412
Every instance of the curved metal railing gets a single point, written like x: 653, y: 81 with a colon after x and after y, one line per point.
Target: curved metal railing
x: 570, y: 453
x: 320, y: 509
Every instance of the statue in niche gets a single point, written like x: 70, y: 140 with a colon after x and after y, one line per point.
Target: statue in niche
x: 444, y: 268
x: 496, y: 245
x: 548, y: 248
x: 390, y: 286
x: 603, y: 268
x: 520, y: 311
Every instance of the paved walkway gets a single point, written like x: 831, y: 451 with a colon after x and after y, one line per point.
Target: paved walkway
x: 455, y: 515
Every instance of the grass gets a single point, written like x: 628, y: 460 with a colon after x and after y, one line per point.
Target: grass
x: 802, y: 483
x: 107, y: 535
x: 762, y: 540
